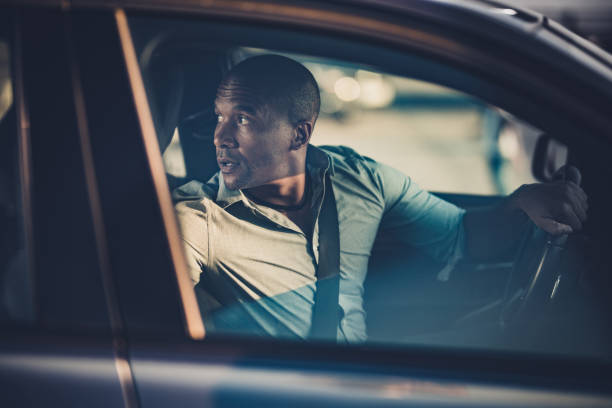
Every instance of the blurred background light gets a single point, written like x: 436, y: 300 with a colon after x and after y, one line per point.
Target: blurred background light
x: 347, y: 89
x: 376, y: 92
x: 173, y: 158
x: 330, y: 104
x: 327, y: 78
x: 508, y: 144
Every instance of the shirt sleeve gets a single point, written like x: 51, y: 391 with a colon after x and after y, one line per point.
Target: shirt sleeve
x: 193, y: 223
x: 420, y: 219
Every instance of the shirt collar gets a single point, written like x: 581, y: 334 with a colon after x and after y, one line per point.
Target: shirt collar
x: 227, y: 197
x: 316, y: 160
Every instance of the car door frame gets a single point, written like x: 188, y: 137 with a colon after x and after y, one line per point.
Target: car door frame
x: 148, y: 275
x: 70, y: 350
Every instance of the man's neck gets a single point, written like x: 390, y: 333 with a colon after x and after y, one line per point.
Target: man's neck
x: 287, y: 191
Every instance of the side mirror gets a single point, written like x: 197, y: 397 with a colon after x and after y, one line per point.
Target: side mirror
x: 549, y: 155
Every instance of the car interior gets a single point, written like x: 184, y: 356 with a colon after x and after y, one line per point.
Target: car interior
x: 15, y: 288
x: 543, y: 298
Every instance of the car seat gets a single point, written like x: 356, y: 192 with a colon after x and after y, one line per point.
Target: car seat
x: 181, y: 77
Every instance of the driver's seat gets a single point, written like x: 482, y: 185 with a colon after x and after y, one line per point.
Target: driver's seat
x: 182, y: 80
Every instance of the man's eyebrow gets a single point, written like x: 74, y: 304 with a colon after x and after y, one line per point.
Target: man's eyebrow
x: 247, y: 108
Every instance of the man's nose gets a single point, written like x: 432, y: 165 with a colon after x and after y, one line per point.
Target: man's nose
x: 224, y: 137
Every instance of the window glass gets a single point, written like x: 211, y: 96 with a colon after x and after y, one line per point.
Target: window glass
x: 380, y: 142
x: 455, y: 142
x: 16, y: 301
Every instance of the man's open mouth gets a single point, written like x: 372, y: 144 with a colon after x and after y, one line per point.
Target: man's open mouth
x: 227, y: 166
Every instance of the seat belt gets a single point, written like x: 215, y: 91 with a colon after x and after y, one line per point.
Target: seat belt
x: 326, y: 310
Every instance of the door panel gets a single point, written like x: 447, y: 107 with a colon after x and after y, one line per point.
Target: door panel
x: 38, y: 369
x: 66, y: 357
x: 232, y: 373
x: 138, y: 249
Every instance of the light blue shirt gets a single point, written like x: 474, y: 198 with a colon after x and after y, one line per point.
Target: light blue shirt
x: 258, y: 269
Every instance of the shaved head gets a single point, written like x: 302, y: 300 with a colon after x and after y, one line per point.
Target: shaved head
x: 280, y: 82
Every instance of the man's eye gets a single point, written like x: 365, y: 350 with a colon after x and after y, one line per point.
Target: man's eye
x: 242, y: 120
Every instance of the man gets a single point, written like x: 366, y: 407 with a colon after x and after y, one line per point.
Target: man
x: 282, y: 217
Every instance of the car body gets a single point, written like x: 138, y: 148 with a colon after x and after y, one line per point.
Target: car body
x: 589, y: 19
x: 110, y: 318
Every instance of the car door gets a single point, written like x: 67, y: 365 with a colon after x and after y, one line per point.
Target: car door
x: 58, y: 337
x: 160, y: 333
x: 231, y: 371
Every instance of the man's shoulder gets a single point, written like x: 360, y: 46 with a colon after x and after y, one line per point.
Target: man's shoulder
x: 196, y: 190
x: 340, y: 152
x: 346, y: 159
x: 191, y: 198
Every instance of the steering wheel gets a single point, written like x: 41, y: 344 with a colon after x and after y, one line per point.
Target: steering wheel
x: 536, y: 277
x: 539, y: 271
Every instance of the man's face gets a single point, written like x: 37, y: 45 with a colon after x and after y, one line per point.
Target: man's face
x: 252, y: 137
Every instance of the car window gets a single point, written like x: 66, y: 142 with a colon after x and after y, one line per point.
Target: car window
x: 16, y: 297
x: 387, y: 138
x: 472, y: 147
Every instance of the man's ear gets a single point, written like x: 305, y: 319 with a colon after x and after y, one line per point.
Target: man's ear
x: 301, y: 134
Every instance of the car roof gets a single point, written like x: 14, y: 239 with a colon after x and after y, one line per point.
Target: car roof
x: 492, y: 18
x: 531, y: 33
x: 471, y: 14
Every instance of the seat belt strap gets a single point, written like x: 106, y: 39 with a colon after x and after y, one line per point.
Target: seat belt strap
x: 326, y: 310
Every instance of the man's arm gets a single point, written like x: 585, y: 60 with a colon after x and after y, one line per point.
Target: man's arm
x: 557, y: 207
x: 418, y: 218
x: 193, y: 224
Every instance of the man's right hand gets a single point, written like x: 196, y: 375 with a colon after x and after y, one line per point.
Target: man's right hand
x: 558, y: 207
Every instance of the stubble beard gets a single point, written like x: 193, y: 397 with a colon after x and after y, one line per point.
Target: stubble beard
x: 237, y: 182
x: 254, y: 174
